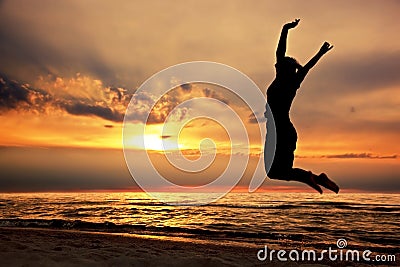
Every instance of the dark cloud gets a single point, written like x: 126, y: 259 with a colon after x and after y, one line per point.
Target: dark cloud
x: 256, y: 118
x: 359, y: 156
x: 216, y: 95
x: 353, y: 156
x: 108, y: 126
x: 99, y: 111
x: 16, y: 96
x: 186, y: 87
x: 12, y: 94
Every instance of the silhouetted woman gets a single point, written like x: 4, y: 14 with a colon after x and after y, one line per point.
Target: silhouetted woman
x: 280, y: 95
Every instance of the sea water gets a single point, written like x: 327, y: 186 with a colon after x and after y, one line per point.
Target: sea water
x: 285, y: 220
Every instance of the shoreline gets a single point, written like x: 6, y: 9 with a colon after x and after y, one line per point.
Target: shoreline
x: 54, y: 247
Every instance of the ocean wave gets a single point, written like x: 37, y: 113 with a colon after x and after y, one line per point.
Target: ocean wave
x: 282, y: 205
x: 141, y: 228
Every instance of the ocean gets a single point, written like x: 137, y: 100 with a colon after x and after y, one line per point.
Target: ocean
x: 281, y: 220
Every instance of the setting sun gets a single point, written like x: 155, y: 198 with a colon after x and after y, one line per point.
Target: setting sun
x: 153, y: 142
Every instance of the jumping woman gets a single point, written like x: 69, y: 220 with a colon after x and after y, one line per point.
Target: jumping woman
x: 280, y: 95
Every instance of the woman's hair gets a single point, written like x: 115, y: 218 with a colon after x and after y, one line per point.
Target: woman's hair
x: 288, y: 63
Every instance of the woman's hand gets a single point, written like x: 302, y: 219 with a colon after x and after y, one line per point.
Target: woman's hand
x: 292, y: 24
x: 325, y: 48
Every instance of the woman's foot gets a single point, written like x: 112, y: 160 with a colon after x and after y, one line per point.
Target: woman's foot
x: 311, y: 181
x: 323, y: 180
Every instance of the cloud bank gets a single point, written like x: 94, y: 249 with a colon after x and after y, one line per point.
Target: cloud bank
x: 24, y: 97
x: 84, y: 96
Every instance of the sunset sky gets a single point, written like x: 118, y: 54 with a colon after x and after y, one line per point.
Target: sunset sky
x: 68, y: 70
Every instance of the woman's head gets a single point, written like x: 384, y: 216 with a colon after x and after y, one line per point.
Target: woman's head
x: 288, y: 65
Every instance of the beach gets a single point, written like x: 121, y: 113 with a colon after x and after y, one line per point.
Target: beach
x: 49, y: 247
x: 45, y: 247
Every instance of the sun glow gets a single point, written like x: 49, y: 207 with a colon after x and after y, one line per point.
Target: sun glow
x: 154, y: 142
x: 151, y: 137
